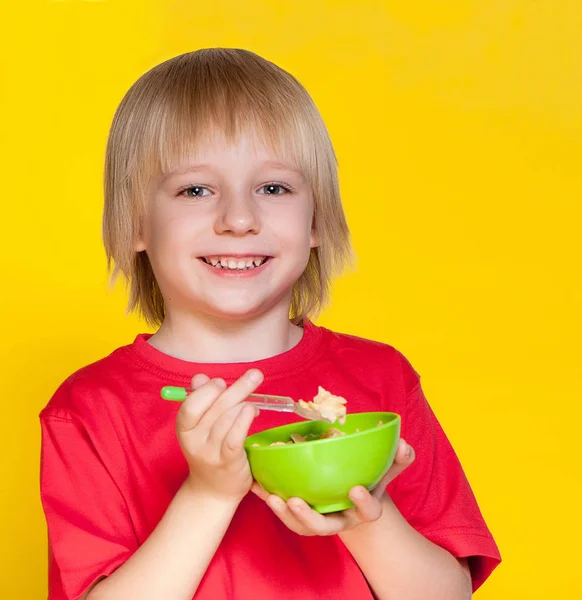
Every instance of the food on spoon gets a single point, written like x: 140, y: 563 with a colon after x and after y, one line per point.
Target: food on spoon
x: 330, y: 408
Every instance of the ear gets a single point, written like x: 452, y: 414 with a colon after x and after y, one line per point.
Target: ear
x: 313, y: 236
x: 139, y: 244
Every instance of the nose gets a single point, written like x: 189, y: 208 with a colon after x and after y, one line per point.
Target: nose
x: 237, y: 215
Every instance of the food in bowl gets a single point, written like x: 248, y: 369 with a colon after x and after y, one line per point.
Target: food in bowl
x: 297, y: 438
x: 330, y: 408
x: 323, y: 470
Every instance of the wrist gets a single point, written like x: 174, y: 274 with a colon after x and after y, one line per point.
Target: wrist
x: 390, y: 520
x: 207, y: 499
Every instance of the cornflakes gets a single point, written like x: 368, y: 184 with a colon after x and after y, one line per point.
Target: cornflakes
x: 331, y: 408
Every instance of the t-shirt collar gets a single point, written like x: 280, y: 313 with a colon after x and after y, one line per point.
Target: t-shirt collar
x: 274, y: 367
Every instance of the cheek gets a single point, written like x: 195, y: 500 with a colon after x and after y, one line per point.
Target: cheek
x: 294, y: 226
x: 296, y: 243
x: 173, y: 228
x: 294, y: 230
x: 170, y: 249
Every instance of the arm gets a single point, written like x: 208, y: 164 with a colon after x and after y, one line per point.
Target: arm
x: 94, y: 552
x: 399, y: 563
x: 173, y: 560
x: 212, y: 425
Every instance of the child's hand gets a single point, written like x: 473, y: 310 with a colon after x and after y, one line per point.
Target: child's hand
x: 302, y: 519
x: 212, y: 426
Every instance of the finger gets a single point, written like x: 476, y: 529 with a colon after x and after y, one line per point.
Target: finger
x: 199, y: 380
x: 236, y: 393
x: 235, y: 438
x: 404, y: 458
x: 313, y: 522
x: 260, y: 491
x: 198, y: 403
x: 282, y: 510
x: 368, y: 506
x: 223, y: 424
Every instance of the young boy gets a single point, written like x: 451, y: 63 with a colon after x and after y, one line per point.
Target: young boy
x: 223, y: 212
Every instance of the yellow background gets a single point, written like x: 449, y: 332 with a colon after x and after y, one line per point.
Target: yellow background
x: 458, y: 127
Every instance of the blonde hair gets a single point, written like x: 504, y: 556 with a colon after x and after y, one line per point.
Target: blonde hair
x: 194, y: 95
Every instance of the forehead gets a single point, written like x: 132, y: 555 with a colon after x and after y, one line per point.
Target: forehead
x: 249, y: 150
x: 282, y: 144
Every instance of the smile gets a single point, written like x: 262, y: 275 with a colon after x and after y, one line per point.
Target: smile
x: 234, y: 263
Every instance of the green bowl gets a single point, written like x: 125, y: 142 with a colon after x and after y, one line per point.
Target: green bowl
x: 322, y: 472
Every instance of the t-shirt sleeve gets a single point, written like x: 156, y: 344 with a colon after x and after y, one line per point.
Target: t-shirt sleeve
x: 89, y: 529
x: 433, y: 494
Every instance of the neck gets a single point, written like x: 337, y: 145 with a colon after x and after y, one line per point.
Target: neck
x: 206, y: 339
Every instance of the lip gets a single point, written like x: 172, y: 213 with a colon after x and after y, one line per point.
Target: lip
x: 238, y: 254
x: 237, y: 273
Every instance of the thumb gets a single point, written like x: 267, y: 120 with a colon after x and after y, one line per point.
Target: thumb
x: 199, y: 380
x: 404, y: 458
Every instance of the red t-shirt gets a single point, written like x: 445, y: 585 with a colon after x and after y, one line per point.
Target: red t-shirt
x: 111, y: 464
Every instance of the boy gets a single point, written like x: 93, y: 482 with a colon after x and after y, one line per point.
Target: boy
x: 222, y: 210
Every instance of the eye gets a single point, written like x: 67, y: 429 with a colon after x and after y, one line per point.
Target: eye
x: 195, y: 191
x: 274, y: 189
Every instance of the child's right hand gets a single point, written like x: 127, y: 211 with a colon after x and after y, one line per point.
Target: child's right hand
x: 212, y: 425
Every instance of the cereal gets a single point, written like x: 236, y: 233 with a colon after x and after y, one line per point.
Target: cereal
x: 331, y: 408
x: 297, y: 438
x: 332, y: 432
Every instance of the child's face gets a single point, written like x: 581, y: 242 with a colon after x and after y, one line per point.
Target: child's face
x: 231, y: 205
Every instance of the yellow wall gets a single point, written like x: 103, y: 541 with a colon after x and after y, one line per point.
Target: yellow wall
x: 458, y: 127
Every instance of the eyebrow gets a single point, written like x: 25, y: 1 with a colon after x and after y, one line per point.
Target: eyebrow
x: 188, y: 169
x: 193, y: 168
x: 281, y: 166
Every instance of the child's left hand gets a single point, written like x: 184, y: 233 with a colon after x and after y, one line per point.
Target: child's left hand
x: 302, y: 519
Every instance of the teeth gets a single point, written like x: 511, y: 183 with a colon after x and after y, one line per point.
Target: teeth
x: 235, y: 264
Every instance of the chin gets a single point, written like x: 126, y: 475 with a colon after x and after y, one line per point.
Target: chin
x: 236, y: 313
x: 241, y: 309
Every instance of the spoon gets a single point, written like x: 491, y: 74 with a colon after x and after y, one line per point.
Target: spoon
x: 261, y: 401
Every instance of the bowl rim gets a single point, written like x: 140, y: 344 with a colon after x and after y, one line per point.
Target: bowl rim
x: 394, y: 421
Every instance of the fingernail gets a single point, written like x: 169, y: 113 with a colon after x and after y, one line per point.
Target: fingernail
x: 255, y: 375
x: 358, y: 493
x: 220, y: 382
